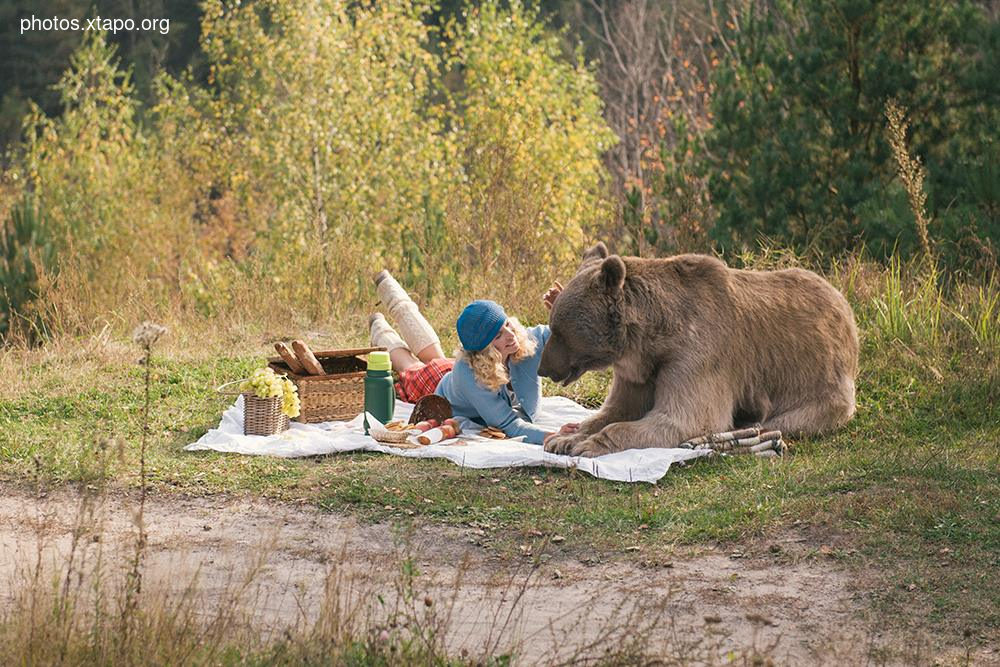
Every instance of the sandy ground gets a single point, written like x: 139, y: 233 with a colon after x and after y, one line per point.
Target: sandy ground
x: 782, y: 598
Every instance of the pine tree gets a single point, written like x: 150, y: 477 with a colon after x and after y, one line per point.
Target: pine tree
x: 798, y: 145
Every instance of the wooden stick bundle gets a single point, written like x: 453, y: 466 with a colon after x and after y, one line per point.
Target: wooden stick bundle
x: 742, y: 441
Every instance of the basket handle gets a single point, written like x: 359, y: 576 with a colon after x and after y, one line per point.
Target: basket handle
x: 219, y: 389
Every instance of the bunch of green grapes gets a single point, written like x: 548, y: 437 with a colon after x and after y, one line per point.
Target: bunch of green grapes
x: 290, y: 398
x: 265, y: 383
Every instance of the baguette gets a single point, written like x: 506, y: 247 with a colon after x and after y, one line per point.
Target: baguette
x: 307, y: 358
x: 289, y: 357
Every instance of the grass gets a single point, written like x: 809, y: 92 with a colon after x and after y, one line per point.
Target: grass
x: 910, y: 489
x: 907, y: 494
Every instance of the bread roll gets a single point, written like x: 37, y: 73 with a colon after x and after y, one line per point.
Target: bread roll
x: 289, y: 357
x: 307, y: 358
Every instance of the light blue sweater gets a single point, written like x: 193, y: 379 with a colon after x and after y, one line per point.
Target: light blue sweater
x: 470, y: 400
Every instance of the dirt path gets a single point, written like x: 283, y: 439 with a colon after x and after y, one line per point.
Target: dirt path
x: 798, y: 610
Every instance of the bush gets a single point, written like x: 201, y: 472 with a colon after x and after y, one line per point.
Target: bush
x: 330, y: 139
x: 530, y: 135
x: 798, y: 149
x: 26, y: 253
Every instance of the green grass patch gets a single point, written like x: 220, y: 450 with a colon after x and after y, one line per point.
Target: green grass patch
x: 912, y: 483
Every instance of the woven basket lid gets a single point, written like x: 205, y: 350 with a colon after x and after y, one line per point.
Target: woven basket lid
x: 388, y: 437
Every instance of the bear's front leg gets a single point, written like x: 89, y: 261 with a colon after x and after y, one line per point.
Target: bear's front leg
x: 655, y: 430
x: 626, y: 401
x: 687, y: 404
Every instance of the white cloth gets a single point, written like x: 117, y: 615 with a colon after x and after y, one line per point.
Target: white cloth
x: 631, y: 465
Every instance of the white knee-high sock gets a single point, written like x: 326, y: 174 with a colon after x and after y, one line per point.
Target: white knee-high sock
x: 383, y: 335
x: 415, y: 329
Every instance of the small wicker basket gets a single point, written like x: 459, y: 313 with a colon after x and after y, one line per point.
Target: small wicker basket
x: 261, y: 416
x: 336, y: 396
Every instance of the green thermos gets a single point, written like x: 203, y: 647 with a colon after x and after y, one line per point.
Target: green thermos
x: 380, y: 394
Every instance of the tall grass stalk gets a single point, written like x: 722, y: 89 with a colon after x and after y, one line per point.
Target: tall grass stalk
x: 926, y: 307
x: 890, y: 307
x: 910, y: 172
x: 146, y: 335
x: 846, y: 275
x: 922, y: 314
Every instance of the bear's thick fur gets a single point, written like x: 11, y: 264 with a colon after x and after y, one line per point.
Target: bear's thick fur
x: 698, y: 347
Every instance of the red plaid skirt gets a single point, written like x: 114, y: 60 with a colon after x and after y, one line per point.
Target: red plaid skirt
x: 419, y: 381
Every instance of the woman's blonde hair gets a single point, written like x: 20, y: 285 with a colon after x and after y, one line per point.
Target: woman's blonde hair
x: 487, y: 364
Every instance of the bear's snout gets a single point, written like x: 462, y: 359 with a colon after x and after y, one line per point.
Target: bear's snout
x: 548, y: 367
x: 561, y: 373
x: 544, y: 370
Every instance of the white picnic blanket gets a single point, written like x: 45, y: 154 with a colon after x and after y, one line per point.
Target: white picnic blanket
x: 468, y: 450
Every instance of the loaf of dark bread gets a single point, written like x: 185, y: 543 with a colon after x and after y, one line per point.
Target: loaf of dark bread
x: 307, y: 358
x: 290, y: 359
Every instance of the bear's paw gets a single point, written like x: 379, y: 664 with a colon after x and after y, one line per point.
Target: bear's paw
x: 595, y: 445
x: 563, y: 444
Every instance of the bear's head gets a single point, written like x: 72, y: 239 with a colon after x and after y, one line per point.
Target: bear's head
x: 588, y: 332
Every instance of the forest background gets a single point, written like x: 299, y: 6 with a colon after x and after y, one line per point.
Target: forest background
x: 242, y: 177
x: 270, y: 156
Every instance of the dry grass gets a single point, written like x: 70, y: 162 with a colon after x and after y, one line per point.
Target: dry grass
x: 910, y: 172
x: 77, y: 602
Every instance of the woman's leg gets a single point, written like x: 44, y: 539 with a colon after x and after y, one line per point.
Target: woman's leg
x: 383, y: 335
x: 417, y: 331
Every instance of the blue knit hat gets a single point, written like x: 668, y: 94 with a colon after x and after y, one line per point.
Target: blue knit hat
x: 479, y: 324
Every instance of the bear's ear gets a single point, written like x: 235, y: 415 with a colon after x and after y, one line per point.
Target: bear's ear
x: 613, y: 272
x: 597, y: 251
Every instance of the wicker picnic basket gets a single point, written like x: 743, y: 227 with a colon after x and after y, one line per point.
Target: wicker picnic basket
x: 335, y: 396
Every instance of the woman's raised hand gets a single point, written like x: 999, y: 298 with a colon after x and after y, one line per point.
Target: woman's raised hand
x: 550, y: 295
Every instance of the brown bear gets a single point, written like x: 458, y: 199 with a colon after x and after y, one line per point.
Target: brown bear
x: 697, y: 347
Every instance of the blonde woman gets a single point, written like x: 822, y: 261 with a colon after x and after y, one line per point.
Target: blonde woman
x: 494, y: 380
